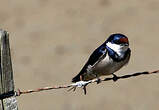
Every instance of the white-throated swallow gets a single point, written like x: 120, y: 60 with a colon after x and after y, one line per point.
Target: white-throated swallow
x: 108, y: 58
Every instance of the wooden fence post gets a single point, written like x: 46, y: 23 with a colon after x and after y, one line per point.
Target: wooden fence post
x: 7, y: 97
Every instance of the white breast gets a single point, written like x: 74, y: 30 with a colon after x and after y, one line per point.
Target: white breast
x: 107, y: 66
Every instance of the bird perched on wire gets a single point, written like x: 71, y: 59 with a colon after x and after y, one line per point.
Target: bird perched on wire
x: 108, y: 58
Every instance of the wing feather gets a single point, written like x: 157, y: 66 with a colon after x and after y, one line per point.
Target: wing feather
x: 95, y: 57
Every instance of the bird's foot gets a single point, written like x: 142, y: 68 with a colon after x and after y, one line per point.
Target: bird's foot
x: 115, y: 77
x: 99, y: 80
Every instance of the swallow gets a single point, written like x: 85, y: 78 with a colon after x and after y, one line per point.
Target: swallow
x: 108, y: 58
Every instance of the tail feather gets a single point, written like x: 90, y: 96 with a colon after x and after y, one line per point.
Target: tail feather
x: 76, y: 78
x: 80, y: 74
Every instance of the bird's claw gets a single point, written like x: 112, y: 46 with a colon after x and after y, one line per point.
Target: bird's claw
x: 115, y: 78
x: 98, y: 80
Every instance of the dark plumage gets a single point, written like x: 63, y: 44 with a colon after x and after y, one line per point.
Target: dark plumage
x: 102, y: 60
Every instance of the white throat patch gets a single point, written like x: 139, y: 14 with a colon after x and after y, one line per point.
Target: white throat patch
x: 120, y: 50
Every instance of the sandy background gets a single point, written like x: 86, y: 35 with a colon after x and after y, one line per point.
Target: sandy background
x: 52, y: 39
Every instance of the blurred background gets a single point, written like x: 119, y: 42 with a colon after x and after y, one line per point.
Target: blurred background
x: 52, y: 39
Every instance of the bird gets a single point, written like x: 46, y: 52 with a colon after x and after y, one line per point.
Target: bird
x: 108, y: 58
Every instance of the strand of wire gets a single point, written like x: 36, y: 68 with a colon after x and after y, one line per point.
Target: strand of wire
x: 74, y: 85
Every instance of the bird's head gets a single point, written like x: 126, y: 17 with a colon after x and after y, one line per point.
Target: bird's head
x: 118, y: 42
x: 118, y: 39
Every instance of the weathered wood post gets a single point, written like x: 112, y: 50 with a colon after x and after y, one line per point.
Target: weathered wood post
x: 7, y: 98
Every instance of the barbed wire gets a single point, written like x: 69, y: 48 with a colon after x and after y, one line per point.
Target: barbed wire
x: 83, y: 84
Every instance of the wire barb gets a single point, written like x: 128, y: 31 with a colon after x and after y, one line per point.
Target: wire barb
x: 82, y: 84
